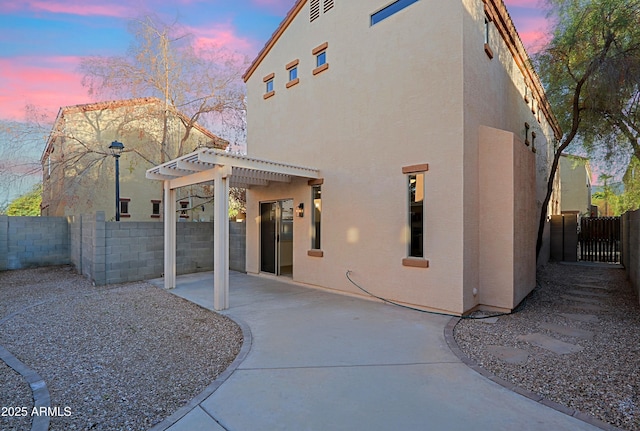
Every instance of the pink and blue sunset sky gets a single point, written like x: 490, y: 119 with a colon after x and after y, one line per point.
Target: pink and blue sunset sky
x: 42, y: 41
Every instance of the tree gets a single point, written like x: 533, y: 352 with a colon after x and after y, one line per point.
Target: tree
x: 20, y: 150
x: 27, y: 204
x: 591, y: 62
x: 204, y: 83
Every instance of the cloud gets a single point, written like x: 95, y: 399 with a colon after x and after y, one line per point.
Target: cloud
x: 48, y: 83
x: 222, y: 36
x: 72, y: 7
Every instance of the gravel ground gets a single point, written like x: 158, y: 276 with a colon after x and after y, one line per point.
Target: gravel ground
x: 603, y: 379
x: 15, y: 392
x: 121, y: 357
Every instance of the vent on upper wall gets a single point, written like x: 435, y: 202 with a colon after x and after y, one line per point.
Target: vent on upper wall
x: 328, y: 4
x: 314, y: 8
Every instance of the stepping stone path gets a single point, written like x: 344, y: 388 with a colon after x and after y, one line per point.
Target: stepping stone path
x: 581, y: 299
x: 489, y: 320
x: 509, y: 354
x: 587, y: 318
x: 587, y: 293
x: 568, y: 330
x: 550, y: 343
x: 588, y: 296
x: 593, y: 286
x: 588, y: 307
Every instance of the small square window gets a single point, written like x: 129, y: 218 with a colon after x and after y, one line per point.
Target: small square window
x: 184, y: 206
x: 293, y: 73
x: 321, y: 59
x: 269, y: 88
x: 155, y: 209
x: 124, y: 207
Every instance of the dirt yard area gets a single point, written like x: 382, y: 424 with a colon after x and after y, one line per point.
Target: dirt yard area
x: 115, y: 357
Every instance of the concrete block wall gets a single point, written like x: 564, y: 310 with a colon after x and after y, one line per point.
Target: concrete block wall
x: 237, y: 246
x: 4, y: 241
x: 75, y: 245
x: 111, y: 252
x: 134, y: 251
x: 194, y: 247
x: 27, y: 242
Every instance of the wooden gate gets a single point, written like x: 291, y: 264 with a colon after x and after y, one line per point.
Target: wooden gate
x: 599, y: 239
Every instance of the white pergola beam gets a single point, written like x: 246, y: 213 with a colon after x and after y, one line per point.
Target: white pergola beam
x: 256, y: 165
x: 191, y: 166
x: 173, y: 172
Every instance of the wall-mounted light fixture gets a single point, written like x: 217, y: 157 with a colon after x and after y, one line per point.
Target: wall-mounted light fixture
x: 300, y: 210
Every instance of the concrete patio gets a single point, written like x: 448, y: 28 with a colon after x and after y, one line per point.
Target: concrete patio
x: 323, y: 361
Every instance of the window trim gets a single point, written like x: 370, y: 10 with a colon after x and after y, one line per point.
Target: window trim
x: 317, y: 51
x: 269, y: 79
x: 153, y: 202
x: 408, y: 171
x: 315, y: 252
x: 293, y: 65
x: 183, y: 209
x: 128, y: 212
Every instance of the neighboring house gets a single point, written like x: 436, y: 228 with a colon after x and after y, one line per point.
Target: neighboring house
x: 575, y: 184
x: 79, y: 172
x: 427, y: 136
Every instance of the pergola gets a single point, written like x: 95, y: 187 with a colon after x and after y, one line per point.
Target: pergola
x: 225, y: 170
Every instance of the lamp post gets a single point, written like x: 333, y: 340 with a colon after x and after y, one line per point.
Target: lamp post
x: 116, y: 149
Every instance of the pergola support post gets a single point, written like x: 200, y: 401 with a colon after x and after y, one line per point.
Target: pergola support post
x: 169, y: 236
x: 221, y: 238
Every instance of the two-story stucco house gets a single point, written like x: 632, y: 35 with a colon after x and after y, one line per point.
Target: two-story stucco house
x: 426, y: 136
x: 79, y: 172
x: 575, y: 185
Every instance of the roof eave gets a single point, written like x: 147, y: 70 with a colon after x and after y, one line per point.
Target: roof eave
x: 293, y: 12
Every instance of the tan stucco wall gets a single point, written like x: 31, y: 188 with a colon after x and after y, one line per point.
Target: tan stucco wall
x: 507, y: 220
x: 395, y: 94
x: 576, y: 184
x: 88, y: 186
x: 494, y: 91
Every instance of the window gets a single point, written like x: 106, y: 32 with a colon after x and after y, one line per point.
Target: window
x: 184, y: 205
x: 316, y: 216
x: 124, y: 207
x: 533, y: 142
x: 155, y: 209
x: 487, y: 47
x: 415, y: 175
x: 268, y: 81
x: 292, y: 69
x: 486, y: 30
x: 416, y: 214
x: 389, y: 10
x: 321, y: 58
